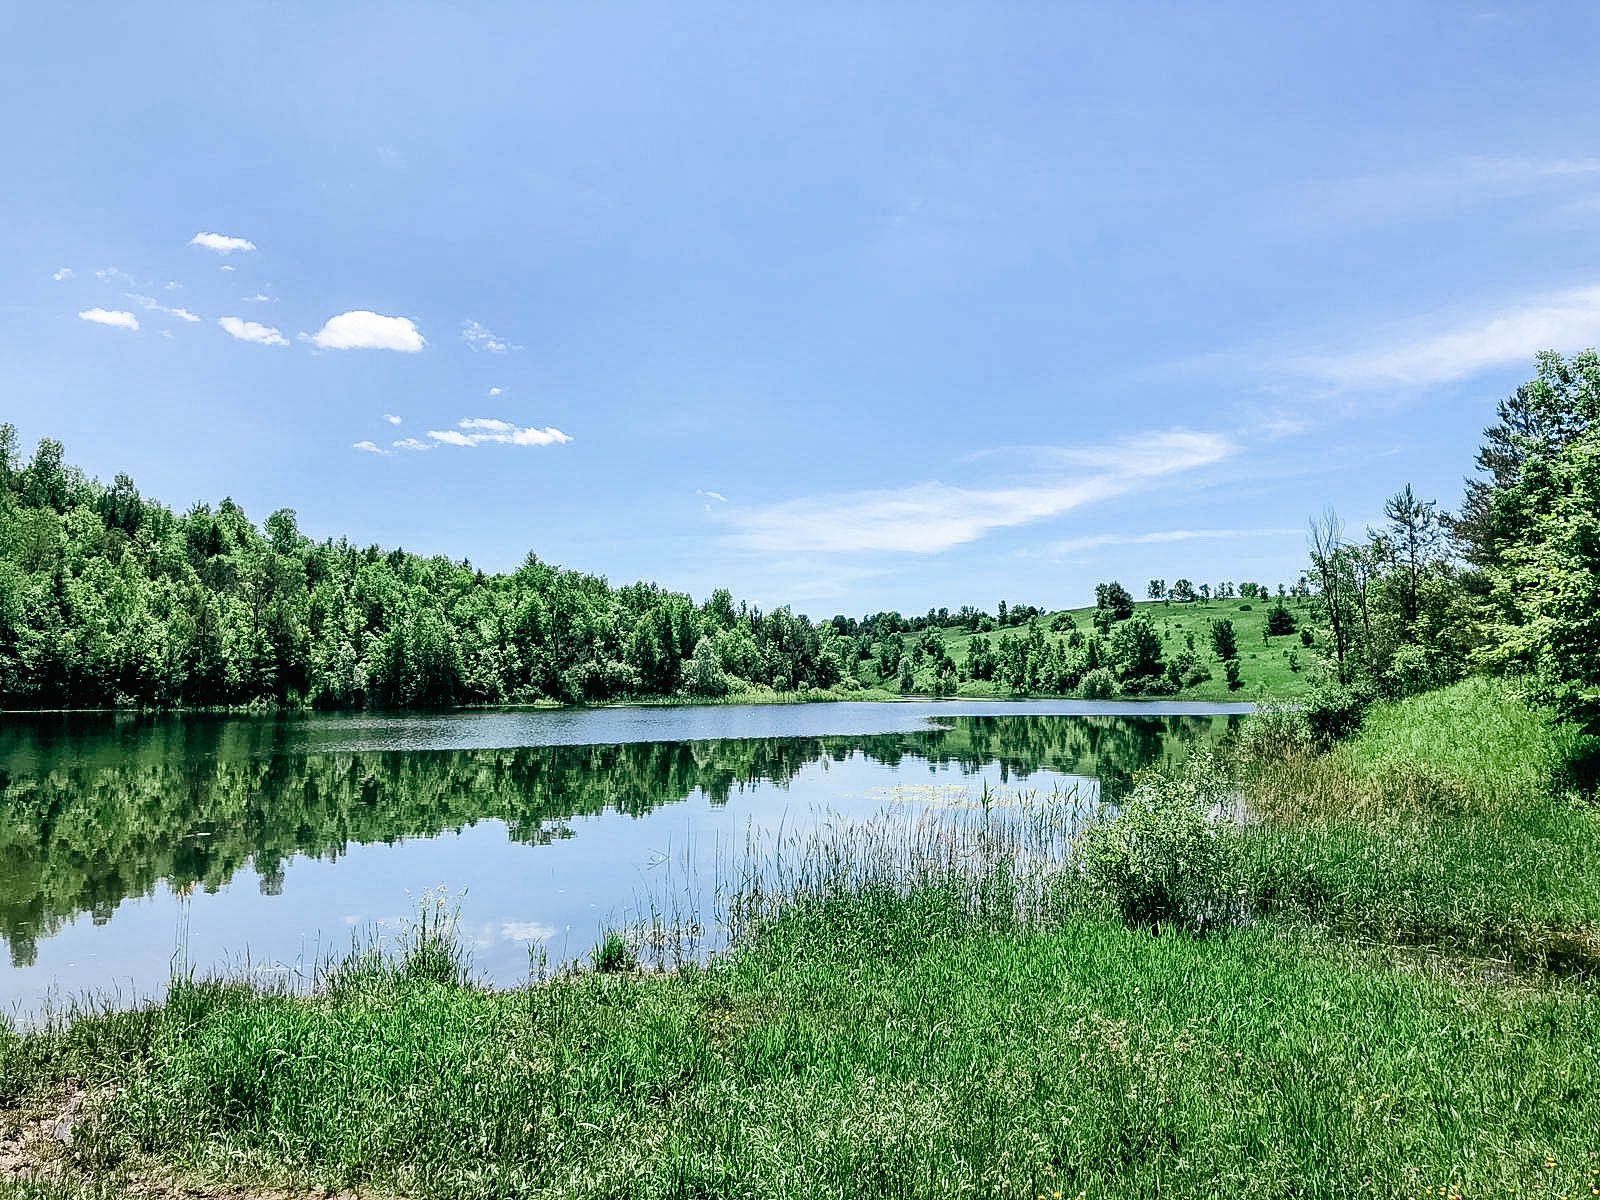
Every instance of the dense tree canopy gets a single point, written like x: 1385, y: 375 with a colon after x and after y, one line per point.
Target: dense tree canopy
x: 109, y: 598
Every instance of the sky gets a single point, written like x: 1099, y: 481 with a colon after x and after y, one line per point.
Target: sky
x: 853, y: 307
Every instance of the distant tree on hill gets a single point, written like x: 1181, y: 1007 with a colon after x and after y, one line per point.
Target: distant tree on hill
x: 1205, y: 591
x: 1182, y: 592
x: 1280, y: 620
x: 1156, y: 589
x: 1224, y: 640
x: 1112, y: 603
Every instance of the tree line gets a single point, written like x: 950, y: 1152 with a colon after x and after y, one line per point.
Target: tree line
x: 109, y: 598
x: 1509, y: 584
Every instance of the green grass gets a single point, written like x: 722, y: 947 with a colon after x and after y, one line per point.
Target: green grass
x: 940, y: 1008
x: 1446, y: 821
x: 876, y: 1045
x: 1264, y: 666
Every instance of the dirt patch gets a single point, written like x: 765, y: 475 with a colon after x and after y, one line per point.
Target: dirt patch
x: 34, y: 1145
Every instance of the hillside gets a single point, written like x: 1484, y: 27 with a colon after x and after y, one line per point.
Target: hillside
x: 1275, y: 666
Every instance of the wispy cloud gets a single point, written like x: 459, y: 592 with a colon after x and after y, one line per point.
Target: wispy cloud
x: 480, y: 338
x: 717, y: 496
x: 484, y: 431
x: 61, y: 276
x: 1565, y: 320
x: 927, y: 518
x: 112, y: 317
x: 368, y: 447
x: 1097, y: 541
x: 252, y: 331
x: 221, y: 243
x: 1424, y: 191
x: 362, y: 329
x: 526, y: 931
x: 113, y: 275
x: 151, y: 304
x: 259, y: 298
x: 391, y: 418
x: 412, y: 444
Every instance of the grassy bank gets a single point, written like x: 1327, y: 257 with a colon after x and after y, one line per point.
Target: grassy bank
x: 1269, y: 666
x: 952, y: 1007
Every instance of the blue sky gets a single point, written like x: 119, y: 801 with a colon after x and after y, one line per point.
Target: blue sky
x: 857, y: 307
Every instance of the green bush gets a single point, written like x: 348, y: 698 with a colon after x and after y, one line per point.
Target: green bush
x: 1098, y: 684
x: 1164, y: 859
x: 1335, y: 711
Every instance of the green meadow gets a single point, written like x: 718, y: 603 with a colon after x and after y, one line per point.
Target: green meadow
x: 1273, y: 667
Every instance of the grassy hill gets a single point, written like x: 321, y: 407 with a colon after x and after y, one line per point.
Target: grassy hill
x: 1274, y: 667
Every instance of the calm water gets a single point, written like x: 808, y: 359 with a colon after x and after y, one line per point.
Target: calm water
x: 262, y: 843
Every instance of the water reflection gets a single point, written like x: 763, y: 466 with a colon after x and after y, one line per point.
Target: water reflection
x: 92, y: 817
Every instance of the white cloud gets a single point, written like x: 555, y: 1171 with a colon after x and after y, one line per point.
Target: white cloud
x: 480, y: 431
x: 369, y: 447
x: 526, y: 931
x: 927, y: 518
x: 61, y: 276
x: 154, y: 305
x: 252, y: 331
x: 1096, y: 541
x: 1566, y: 320
x: 717, y: 496
x: 391, y: 418
x: 225, y: 268
x: 479, y: 338
x: 259, y: 298
x: 221, y: 242
x: 116, y: 319
x: 113, y: 275
x: 411, y: 443
x: 494, y: 391
x: 364, y: 330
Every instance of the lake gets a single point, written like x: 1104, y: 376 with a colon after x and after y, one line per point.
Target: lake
x: 263, y: 843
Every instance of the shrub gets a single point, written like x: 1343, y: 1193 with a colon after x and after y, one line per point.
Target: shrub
x: 1098, y: 684
x: 1163, y: 860
x: 1280, y: 620
x: 1230, y: 668
x: 1275, y: 731
x: 1335, y: 711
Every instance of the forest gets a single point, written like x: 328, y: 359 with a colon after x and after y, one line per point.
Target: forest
x: 108, y: 598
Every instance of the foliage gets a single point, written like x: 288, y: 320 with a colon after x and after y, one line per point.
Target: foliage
x: 1134, y: 650
x: 1162, y: 859
x: 108, y: 598
x: 1223, y: 639
x: 1280, y: 620
x: 1098, y: 684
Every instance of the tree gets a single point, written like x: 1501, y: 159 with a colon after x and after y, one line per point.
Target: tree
x: 1548, y: 581
x: 1538, y: 420
x: 1114, y: 600
x: 1331, y: 564
x: 1414, y: 533
x: 1205, y: 592
x: 1134, y: 649
x: 1156, y: 589
x: 1182, y: 592
x: 703, y: 674
x: 1224, y: 640
x: 1280, y: 620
